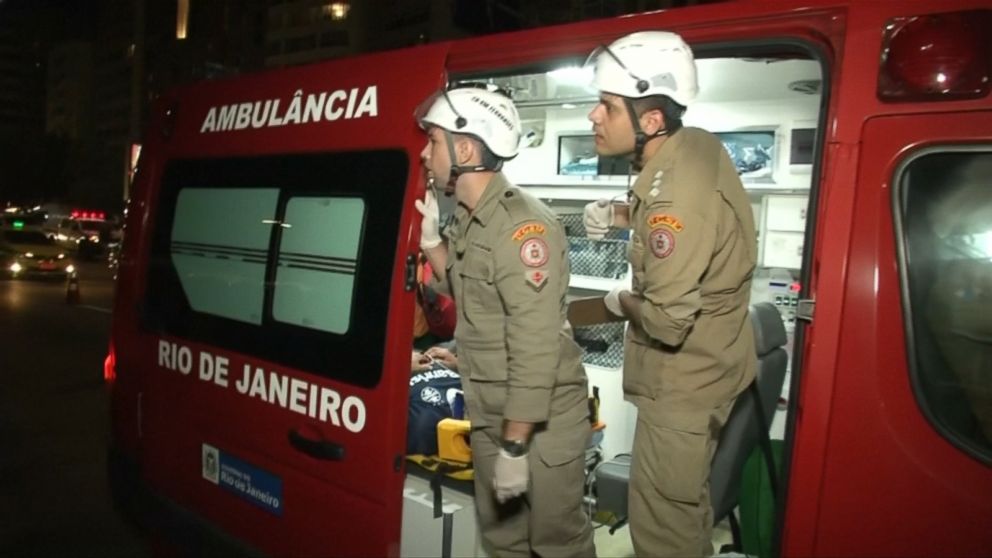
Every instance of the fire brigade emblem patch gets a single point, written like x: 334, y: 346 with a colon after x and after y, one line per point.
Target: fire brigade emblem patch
x: 534, y: 252
x: 662, y: 243
x: 537, y: 278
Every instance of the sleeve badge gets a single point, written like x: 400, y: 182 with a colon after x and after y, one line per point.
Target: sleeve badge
x: 528, y: 229
x: 663, y: 220
x: 536, y: 278
x: 662, y: 243
x: 534, y: 252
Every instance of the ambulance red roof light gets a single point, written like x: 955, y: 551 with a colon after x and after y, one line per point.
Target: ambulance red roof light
x: 936, y: 57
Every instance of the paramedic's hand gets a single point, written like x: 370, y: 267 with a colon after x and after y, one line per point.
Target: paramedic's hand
x: 598, y: 217
x: 512, y: 476
x: 612, y: 299
x: 430, y: 233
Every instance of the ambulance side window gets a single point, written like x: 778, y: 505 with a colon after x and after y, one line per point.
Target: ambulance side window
x: 221, y: 261
x: 289, y: 259
x: 946, y: 215
x: 315, y: 274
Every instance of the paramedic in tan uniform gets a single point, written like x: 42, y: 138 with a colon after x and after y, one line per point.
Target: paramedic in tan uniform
x: 525, y: 386
x: 689, y: 348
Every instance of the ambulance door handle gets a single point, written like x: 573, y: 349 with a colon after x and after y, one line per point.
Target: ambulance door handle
x: 319, y: 449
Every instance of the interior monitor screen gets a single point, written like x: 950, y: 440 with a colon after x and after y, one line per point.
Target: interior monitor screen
x: 577, y: 157
x: 752, y: 151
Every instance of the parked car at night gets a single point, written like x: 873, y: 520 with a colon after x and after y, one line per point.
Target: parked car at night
x: 30, y: 252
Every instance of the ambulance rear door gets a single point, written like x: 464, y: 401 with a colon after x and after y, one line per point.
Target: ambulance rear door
x: 906, y: 460
x: 276, y: 308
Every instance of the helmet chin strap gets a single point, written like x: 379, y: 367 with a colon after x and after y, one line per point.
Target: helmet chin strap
x: 458, y: 170
x: 641, y: 138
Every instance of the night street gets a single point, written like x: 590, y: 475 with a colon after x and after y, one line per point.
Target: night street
x: 54, y: 423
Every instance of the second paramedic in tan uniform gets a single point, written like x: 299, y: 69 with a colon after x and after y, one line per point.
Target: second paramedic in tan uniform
x: 689, y: 349
x: 525, y: 386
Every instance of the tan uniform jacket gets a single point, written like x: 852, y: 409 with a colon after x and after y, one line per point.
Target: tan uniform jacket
x: 508, y: 271
x: 692, y: 250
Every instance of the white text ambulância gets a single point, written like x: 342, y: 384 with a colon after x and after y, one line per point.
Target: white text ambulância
x: 357, y: 102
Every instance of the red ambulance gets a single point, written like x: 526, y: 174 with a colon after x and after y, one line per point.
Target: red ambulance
x: 262, y: 322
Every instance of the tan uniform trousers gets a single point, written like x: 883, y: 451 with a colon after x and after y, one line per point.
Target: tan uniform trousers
x: 669, y: 499
x: 549, y: 520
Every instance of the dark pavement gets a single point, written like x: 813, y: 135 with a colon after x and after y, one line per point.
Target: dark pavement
x: 54, y: 421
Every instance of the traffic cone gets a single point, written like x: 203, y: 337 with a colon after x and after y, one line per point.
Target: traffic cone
x: 72, y: 289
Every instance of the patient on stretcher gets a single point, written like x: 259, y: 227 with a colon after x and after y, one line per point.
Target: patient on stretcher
x: 435, y: 394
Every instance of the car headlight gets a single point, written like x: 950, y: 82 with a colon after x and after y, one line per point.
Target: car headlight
x: 16, y: 267
x: 61, y: 256
x: 94, y: 238
x: 28, y: 254
x: 70, y: 268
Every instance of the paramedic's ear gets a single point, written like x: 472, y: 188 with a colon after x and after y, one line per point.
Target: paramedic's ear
x: 465, y: 150
x: 652, y: 120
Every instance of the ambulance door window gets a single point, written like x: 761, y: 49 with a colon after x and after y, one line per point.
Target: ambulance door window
x: 946, y: 212
x: 318, y: 252
x: 287, y: 258
x: 220, y: 238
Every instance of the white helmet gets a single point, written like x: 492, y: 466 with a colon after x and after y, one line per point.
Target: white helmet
x: 644, y: 64
x: 487, y: 115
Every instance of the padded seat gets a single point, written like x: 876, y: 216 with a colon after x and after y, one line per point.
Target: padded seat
x: 742, y: 433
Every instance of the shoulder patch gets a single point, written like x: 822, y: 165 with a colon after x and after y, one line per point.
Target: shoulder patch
x: 529, y: 228
x: 662, y: 243
x: 534, y: 252
x: 537, y: 278
x: 664, y: 220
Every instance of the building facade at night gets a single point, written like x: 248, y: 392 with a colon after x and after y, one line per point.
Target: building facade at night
x: 89, y: 78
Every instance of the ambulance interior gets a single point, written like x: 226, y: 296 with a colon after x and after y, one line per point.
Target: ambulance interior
x: 765, y: 110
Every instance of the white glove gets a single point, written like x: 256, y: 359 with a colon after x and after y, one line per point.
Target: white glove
x: 612, y: 300
x: 430, y: 232
x: 512, y: 476
x: 598, y: 217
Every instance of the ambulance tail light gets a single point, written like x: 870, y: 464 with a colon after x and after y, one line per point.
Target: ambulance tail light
x: 936, y: 57
x: 110, y: 365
